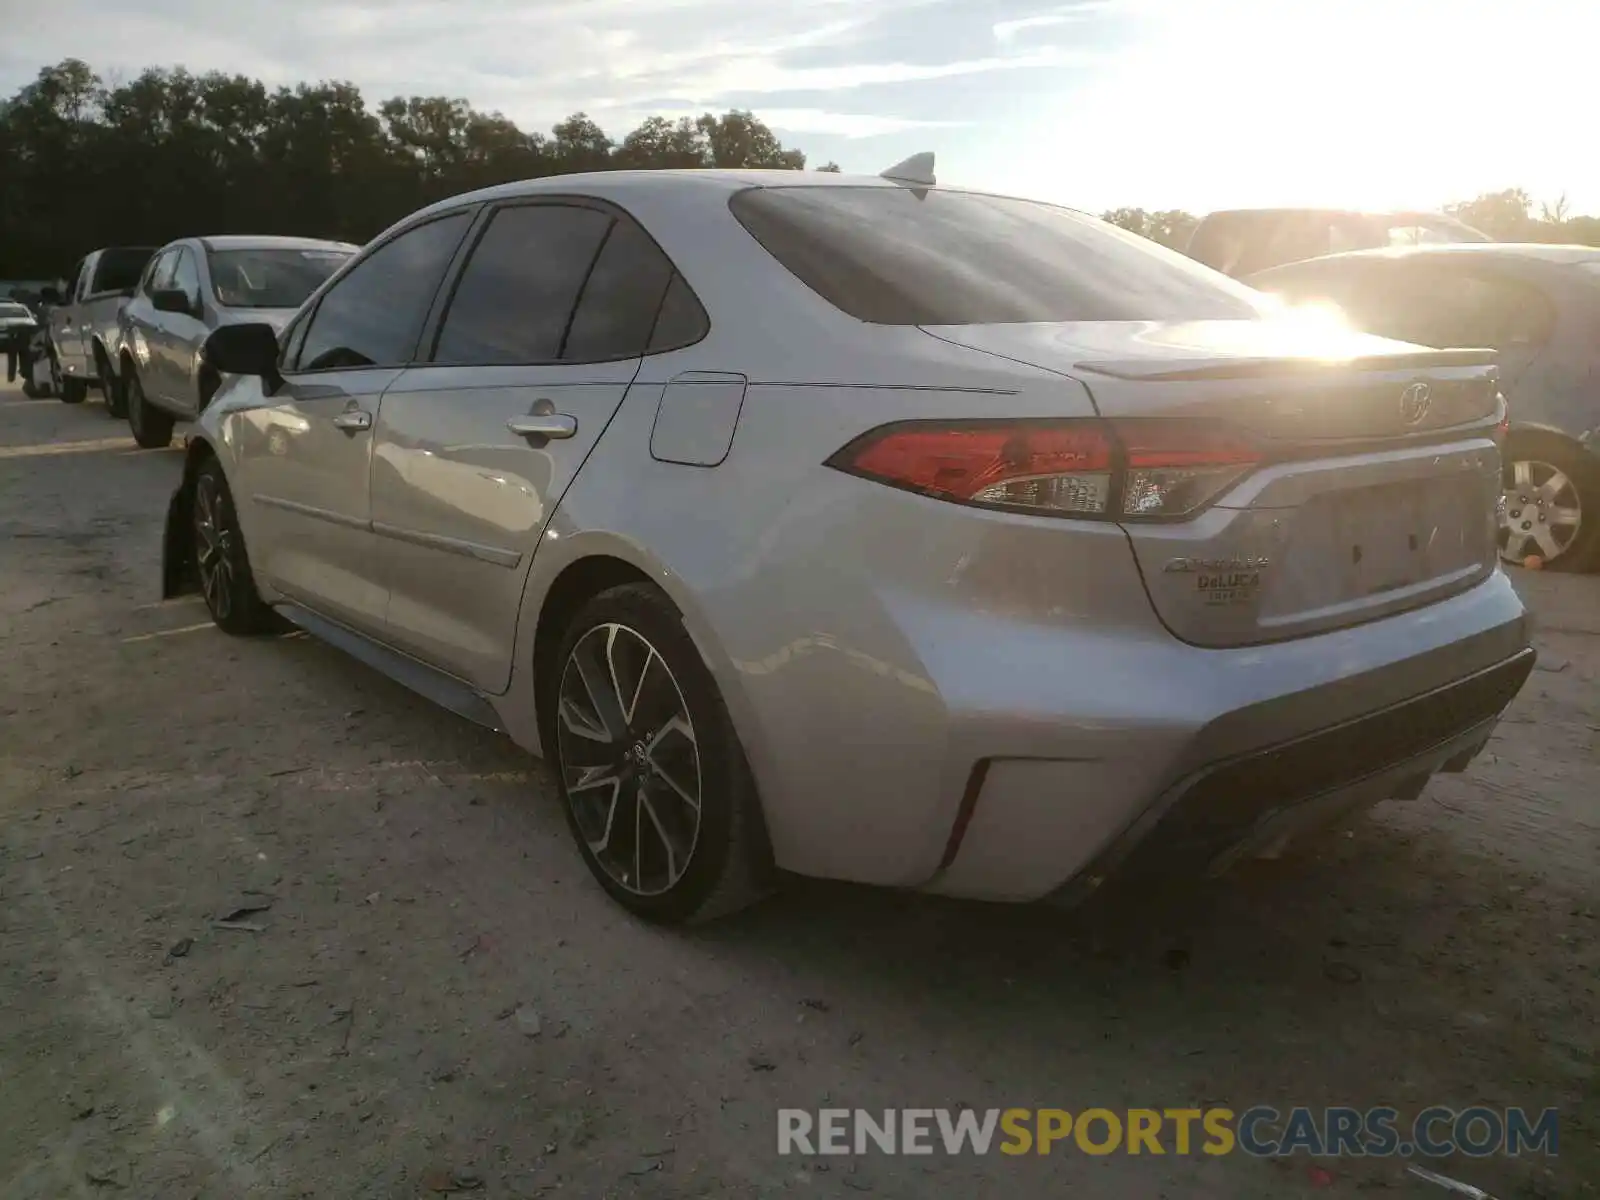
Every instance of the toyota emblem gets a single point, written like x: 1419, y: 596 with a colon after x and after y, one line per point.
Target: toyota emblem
x: 1415, y: 402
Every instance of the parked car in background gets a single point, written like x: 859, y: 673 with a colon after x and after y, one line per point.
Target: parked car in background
x: 1239, y: 242
x: 17, y: 324
x: 28, y: 291
x: 18, y: 327
x: 866, y: 529
x: 84, y: 323
x: 197, y: 285
x: 1538, y: 307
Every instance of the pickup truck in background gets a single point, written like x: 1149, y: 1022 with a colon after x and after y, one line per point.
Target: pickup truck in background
x: 85, y: 324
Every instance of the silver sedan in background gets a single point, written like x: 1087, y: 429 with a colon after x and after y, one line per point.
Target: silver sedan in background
x: 192, y: 287
x: 863, y: 528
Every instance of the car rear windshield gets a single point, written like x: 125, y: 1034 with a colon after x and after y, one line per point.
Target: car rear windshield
x: 898, y: 256
x: 270, y: 278
x: 119, y: 268
x: 11, y: 309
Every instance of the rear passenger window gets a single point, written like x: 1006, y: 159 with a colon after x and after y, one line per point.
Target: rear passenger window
x: 681, y: 322
x: 620, y: 301
x: 515, y: 299
x: 1448, y: 307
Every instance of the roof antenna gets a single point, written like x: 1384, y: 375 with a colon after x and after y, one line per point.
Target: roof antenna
x: 916, y: 171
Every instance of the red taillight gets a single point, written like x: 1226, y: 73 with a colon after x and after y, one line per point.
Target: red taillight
x: 1177, y: 467
x: 1151, y: 470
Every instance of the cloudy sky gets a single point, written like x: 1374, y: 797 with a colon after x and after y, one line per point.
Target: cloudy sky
x: 1193, y: 104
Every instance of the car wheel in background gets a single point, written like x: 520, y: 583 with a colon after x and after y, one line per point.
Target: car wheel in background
x: 221, y: 562
x: 657, y: 790
x: 67, y: 389
x: 1552, y: 503
x: 110, y: 385
x: 151, y: 427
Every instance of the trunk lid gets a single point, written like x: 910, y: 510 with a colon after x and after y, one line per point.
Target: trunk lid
x: 1378, y: 481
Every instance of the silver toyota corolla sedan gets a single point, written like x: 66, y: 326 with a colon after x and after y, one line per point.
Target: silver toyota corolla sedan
x: 866, y: 529
x: 191, y: 287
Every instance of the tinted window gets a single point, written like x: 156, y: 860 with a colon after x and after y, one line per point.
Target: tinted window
x: 373, y: 316
x: 160, y: 274
x: 517, y: 293
x: 619, y: 304
x: 681, y: 322
x: 1452, y: 307
x: 120, y: 267
x: 186, y: 275
x: 270, y: 278
x: 894, y: 256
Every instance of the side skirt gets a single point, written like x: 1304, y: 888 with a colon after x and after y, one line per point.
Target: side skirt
x: 444, y: 690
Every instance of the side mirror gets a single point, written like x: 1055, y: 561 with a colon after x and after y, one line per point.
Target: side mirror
x: 49, y: 295
x: 171, y: 300
x: 245, y: 350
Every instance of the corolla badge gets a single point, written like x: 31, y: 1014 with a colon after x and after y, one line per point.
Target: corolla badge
x: 1249, y: 563
x: 1415, y: 402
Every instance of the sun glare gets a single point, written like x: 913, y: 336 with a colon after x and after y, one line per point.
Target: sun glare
x: 1342, y: 103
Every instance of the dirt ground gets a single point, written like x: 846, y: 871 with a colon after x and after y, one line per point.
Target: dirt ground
x: 433, y: 994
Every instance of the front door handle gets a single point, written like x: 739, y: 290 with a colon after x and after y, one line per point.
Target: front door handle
x: 352, y: 420
x: 544, y: 425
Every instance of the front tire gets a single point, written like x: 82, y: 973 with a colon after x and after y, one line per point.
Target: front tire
x: 220, y: 559
x: 67, y: 389
x: 152, y: 428
x: 1551, y: 487
x: 658, y: 794
x: 110, y: 386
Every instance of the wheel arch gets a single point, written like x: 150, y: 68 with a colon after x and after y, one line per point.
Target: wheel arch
x: 589, y: 565
x: 566, y: 572
x: 577, y: 583
x: 1540, y: 429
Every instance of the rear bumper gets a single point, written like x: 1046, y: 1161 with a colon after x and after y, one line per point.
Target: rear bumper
x: 1230, y: 809
x: 1214, y: 749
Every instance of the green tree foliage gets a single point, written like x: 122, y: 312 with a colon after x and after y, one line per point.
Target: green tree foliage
x: 168, y: 154
x: 1170, y: 228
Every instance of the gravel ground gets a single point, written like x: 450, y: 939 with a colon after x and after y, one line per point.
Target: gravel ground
x: 427, y: 992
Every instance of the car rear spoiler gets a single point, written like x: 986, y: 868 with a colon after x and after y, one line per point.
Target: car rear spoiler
x: 1198, y: 369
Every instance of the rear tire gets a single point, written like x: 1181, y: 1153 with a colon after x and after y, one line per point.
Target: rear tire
x: 1552, y: 492
x: 658, y: 794
x: 152, y: 428
x: 220, y: 559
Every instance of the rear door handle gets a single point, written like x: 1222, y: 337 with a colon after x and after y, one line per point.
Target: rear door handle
x: 352, y: 420
x: 544, y: 425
